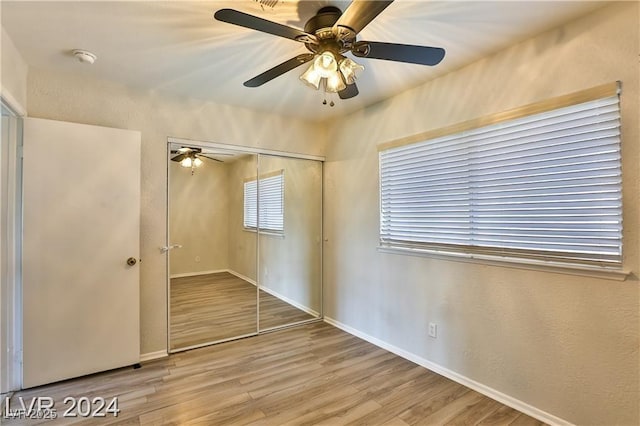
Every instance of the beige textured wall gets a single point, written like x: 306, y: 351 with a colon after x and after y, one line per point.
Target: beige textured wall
x: 198, y: 218
x: 13, y: 72
x: 82, y: 100
x: 565, y: 344
x: 242, y: 244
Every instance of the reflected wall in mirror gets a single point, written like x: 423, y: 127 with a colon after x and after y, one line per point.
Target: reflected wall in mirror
x: 212, y: 261
x: 290, y: 240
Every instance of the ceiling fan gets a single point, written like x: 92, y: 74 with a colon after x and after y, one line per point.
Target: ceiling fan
x: 328, y: 35
x: 192, y: 157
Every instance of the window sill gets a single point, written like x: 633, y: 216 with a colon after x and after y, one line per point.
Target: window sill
x: 532, y: 265
x: 266, y: 233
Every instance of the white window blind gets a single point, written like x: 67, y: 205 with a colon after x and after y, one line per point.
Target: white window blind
x: 271, y: 205
x: 545, y: 186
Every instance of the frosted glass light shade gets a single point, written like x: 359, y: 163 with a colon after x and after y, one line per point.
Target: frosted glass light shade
x: 336, y: 74
x: 197, y: 162
x: 325, y: 64
x: 351, y: 70
x: 311, y: 77
x: 187, y: 162
x: 335, y: 83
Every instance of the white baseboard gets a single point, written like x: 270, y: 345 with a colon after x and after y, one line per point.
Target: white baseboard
x: 195, y: 274
x: 291, y: 301
x: 456, y: 377
x: 242, y: 277
x: 153, y: 355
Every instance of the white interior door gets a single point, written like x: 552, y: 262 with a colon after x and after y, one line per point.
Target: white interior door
x: 81, y: 224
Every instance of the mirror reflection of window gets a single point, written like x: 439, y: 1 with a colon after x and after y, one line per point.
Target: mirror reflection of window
x: 271, y: 202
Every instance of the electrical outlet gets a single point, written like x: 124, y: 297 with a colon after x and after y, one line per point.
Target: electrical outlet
x: 433, y: 330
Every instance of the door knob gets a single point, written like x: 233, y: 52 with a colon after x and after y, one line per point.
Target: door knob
x: 131, y: 261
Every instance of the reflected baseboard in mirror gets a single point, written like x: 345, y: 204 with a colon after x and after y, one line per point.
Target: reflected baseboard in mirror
x: 212, y: 307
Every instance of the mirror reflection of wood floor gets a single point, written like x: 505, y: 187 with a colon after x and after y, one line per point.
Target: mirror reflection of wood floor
x: 309, y: 375
x: 206, y: 308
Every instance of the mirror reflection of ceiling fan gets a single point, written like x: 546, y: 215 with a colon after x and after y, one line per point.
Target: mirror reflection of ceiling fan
x: 190, y: 157
x: 328, y: 36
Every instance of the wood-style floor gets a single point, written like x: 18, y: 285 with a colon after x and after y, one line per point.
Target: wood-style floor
x: 308, y: 375
x: 211, y: 307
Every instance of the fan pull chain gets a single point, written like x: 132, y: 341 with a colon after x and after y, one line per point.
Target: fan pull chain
x: 331, y: 103
x: 324, y: 87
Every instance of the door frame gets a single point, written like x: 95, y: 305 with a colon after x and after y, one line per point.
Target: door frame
x: 243, y: 150
x: 11, y: 280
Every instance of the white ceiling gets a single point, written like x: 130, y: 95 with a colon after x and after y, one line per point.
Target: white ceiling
x: 176, y: 47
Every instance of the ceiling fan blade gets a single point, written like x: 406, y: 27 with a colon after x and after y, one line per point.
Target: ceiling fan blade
x: 350, y: 92
x: 359, y: 14
x: 179, y: 157
x: 278, y: 70
x: 235, y: 17
x: 185, y: 149
x: 422, y: 55
x: 209, y: 158
x: 218, y: 154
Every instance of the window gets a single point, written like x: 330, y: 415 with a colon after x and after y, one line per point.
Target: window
x: 271, y: 205
x: 543, y: 185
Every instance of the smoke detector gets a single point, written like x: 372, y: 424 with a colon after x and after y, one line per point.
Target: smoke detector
x: 84, y: 56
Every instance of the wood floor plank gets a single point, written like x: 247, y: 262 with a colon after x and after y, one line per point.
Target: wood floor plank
x: 447, y: 412
x: 341, y: 412
x: 524, y: 420
x: 502, y: 416
x: 396, y: 421
x: 401, y: 398
x: 211, y: 307
x: 313, y: 374
x: 475, y: 413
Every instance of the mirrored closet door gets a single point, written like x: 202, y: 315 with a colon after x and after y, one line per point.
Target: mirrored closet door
x: 289, y: 241
x: 245, y: 243
x: 212, y: 258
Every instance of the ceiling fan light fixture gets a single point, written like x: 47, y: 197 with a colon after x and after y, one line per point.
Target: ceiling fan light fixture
x: 327, y: 35
x: 311, y: 77
x: 197, y: 162
x: 186, y: 162
x: 350, y: 70
x: 325, y: 64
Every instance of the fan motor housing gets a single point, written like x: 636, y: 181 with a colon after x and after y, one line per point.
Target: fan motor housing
x: 321, y: 25
x: 323, y: 21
